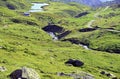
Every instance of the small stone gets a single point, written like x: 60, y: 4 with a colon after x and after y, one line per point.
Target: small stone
x: 108, y: 75
x: 114, y: 78
x: 102, y: 72
x: 60, y: 74
x: 2, y: 69
x: 42, y: 71
x: 0, y: 47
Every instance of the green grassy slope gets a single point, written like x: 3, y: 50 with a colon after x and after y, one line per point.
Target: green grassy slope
x: 106, y: 38
x: 109, y: 18
x: 14, y: 4
x: 24, y: 43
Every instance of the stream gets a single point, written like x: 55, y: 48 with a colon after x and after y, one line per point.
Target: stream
x: 55, y: 38
x: 37, y: 7
x: 84, y: 46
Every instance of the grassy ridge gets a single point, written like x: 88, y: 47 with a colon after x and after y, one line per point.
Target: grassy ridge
x: 104, y: 38
x: 109, y: 19
x: 14, y: 4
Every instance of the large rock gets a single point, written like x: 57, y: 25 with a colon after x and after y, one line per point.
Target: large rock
x: 53, y: 28
x: 75, y: 63
x: 24, y: 73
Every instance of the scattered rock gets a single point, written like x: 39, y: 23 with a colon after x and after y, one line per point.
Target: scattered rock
x: 26, y: 14
x: 60, y: 74
x: 81, y: 75
x: 16, y: 74
x: 64, y: 34
x: 81, y: 14
x: 75, y: 63
x: 102, y: 72
x: 114, y: 78
x: 108, y: 74
x: 1, y: 47
x: 88, y: 29
x: 24, y: 73
x: 2, y: 69
x: 11, y: 6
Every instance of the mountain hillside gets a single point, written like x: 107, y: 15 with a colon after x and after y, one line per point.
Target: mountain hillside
x: 92, y: 3
x: 109, y: 3
x: 62, y: 41
x: 13, y: 5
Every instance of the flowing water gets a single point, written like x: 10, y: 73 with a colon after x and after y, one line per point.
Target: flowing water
x: 38, y: 7
x: 84, y: 46
x: 53, y: 35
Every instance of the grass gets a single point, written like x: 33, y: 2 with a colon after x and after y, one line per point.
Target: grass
x: 109, y: 19
x: 24, y: 43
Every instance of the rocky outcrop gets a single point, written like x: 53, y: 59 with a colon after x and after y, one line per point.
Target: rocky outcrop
x: 17, y: 20
x: 75, y: 63
x: 63, y: 34
x: 81, y: 75
x: 53, y: 28
x: 56, y: 32
x: 81, y: 14
x: 24, y: 73
x: 88, y: 29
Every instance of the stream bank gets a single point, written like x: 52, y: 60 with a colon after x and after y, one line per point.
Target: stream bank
x: 76, y: 41
x: 58, y: 32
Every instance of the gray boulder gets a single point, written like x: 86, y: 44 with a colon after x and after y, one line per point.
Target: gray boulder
x: 81, y: 75
x: 84, y: 75
x: 24, y: 73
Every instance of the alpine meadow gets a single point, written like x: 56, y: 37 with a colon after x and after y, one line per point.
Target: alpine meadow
x: 59, y: 39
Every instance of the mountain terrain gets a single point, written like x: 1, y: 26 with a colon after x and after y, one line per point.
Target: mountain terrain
x: 109, y: 3
x: 92, y: 3
x: 85, y: 35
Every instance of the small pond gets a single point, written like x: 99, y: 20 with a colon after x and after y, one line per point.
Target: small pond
x: 37, y: 7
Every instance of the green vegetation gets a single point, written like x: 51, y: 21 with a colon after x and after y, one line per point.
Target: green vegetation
x: 109, y: 18
x: 24, y: 43
x: 14, y: 4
